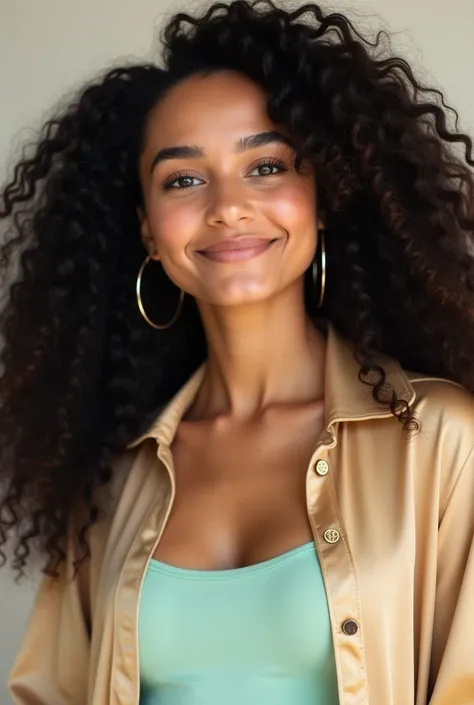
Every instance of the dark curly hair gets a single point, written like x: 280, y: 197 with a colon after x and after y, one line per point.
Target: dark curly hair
x: 82, y: 370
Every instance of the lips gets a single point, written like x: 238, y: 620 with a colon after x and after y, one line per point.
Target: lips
x: 236, y: 249
x: 240, y: 243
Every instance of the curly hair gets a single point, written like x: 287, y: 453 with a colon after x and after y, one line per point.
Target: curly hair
x: 82, y: 370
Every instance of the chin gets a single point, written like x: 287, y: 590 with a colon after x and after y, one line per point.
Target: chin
x: 240, y: 296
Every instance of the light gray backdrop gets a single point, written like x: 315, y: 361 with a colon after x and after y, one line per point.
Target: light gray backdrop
x: 47, y: 47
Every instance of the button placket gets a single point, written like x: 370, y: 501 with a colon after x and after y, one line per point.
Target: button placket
x: 339, y: 575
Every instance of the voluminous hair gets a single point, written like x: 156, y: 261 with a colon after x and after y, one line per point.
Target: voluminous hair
x: 82, y: 371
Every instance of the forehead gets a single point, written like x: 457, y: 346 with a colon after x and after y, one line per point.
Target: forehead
x: 208, y: 109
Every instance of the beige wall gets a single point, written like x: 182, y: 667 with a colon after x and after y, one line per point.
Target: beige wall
x: 47, y: 46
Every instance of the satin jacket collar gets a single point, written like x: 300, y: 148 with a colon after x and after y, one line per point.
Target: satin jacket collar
x: 346, y: 399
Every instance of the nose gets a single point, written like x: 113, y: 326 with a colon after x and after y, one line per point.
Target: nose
x: 229, y: 204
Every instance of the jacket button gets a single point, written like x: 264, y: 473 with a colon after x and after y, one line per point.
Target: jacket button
x: 332, y: 535
x: 322, y: 468
x: 350, y: 627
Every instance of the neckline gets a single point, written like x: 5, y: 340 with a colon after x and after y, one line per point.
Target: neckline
x: 230, y: 573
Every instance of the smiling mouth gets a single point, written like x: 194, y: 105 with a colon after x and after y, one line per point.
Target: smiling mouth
x: 236, y: 251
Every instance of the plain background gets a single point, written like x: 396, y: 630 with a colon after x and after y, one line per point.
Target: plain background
x: 49, y: 47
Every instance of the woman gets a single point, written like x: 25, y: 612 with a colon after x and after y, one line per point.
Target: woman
x: 212, y: 433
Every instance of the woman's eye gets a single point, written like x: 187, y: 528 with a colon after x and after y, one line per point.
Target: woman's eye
x: 183, y: 181
x: 268, y: 168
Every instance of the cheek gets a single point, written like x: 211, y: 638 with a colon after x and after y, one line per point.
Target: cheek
x: 295, y: 208
x: 171, y: 223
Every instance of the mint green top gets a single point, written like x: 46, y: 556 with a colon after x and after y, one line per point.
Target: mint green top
x: 247, y: 636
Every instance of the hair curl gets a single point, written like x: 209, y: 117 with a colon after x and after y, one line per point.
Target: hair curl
x: 81, y: 368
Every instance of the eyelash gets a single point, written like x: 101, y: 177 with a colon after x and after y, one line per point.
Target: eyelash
x: 272, y: 162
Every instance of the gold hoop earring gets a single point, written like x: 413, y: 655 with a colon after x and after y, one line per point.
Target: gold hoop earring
x: 322, y: 288
x: 140, y: 304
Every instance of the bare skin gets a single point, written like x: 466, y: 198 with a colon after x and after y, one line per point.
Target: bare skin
x: 241, y: 453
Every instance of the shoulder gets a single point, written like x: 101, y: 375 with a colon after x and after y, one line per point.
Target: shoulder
x: 445, y: 413
x: 122, y: 500
x: 134, y: 473
x: 443, y: 402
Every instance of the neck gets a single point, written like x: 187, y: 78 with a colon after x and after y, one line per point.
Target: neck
x: 260, y: 355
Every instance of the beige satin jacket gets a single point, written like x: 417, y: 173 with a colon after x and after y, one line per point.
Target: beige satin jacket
x: 393, y: 523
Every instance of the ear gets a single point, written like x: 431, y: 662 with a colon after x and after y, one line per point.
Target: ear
x: 146, y: 236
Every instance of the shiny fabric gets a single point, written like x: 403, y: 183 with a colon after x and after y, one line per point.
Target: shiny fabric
x: 393, y: 524
x: 252, y: 635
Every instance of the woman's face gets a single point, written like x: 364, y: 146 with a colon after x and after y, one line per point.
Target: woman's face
x: 225, y: 211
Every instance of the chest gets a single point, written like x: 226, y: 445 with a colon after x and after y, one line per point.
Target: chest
x: 240, y: 497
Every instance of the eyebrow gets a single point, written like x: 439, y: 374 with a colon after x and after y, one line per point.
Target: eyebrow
x: 260, y: 139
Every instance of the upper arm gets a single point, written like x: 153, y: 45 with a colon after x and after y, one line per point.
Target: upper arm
x: 452, y: 661
x: 52, y: 665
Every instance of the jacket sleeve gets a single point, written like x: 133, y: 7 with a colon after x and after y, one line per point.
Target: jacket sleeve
x: 452, y: 663
x: 52, y: 665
